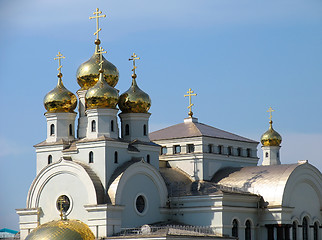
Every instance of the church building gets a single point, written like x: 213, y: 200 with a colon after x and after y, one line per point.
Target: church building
x: 116, y: 180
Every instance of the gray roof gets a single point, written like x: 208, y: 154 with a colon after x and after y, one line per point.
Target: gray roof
x: 267, y: 181
x: 194, y: 129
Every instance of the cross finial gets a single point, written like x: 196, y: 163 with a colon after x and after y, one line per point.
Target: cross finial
x: 133, y: 58
x: 100, y: 52
x: 190, y: 94
x: 61, y: 201
x: 270, y: 110
x: 97, y: 16
x: 58, y: 57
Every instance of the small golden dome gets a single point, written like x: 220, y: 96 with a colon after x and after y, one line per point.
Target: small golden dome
x: 87, y: 73
x: 271, y: 137
x: 101, y: 95
x: 62, y: 230
x: 134, y: 100
x: 60, y: 99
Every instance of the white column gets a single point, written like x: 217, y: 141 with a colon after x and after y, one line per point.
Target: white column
x: 82, y: 120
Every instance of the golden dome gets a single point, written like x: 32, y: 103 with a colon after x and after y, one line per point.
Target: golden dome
x: 62, y: 230
x: 60, y: 99
x: 87, y: 73
x: 134, y: 100
x: 101, y: 95
x: 271, y: 137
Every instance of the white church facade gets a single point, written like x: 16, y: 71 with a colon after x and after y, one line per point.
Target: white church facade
x: 114, y: 177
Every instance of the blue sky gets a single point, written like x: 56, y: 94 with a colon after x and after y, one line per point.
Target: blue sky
x: 240, y: 57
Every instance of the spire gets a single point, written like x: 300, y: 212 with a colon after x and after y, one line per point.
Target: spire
x: 190, y: 94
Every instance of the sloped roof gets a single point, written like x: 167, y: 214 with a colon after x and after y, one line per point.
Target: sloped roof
x: 194, y: 129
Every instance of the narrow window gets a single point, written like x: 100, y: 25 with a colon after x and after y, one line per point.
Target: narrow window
x: 93, y: 126
x: 70, y: 130
x: 144, y: 130
x: 277, y: 155
x: 234, y: 230
x: 316, y: 231
x: 248, y: 233
x: 190, y: 148
x: 91, y: 157
x: 230, y: 150
x: 176, y: 149
x: 148, y: 158
x: 305, y: 229
x: 112, y: 126
x: 52, y: 130
x: 116, y: 160
x: 127, y: 130
x: 249, y: 152
x: 210, y: 148
x: 50, y: 159
x: 239, y: 151
x: 164, y: 150
x: 220, y: 147
x: 266, y: 154
x: 294, y: 231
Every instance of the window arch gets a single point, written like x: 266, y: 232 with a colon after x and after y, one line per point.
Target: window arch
x: 112, y: 126
x: 266, y: 154
x: 316, y: 231
x: 148, y: 158
x: 248, y: 232
x: 91, y: 157
x: 144, y: 130
x: 52, y: 129
x: 234, y: 230
x: 116, y: 160
x: 127, y: 130
x: 71, y: 130
x: 93, y: 125
x: 50, y: 159
x: 305, y: 229
x: 294, y: 231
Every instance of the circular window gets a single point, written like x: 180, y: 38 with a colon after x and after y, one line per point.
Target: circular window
x: 63, y: 203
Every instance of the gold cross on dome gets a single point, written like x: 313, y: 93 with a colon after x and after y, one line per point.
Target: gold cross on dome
x: 190, y: 94
x: 270, y: 110
x: 61, y: 201
x: 97, y: 16
x: 58, y: 57
x: 133, y: 58
x: 100, y: 52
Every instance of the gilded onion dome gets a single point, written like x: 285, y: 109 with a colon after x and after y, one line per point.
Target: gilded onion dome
x: 60, y: 99
x: 134, y: 100
x: 271, y: 137
x: 62, y: 229
x: 101, y: 95
x: 87, y: 73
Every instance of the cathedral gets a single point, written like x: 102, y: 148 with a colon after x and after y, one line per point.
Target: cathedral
x: 102, y: 179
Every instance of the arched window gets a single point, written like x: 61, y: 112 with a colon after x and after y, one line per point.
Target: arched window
x: 248, y: 232
x: 52, y: 129
x: 249, y: 152
x: 294, y: 231
x: 127, y: 130
x: 210, y: 148
x: 91, y: 157
x: 50, y: 159
x: 220, y: 148
x: 230, y: 150
x: 93, y: 126
x: 144, y: 129
x: 266, y: 154
x: 116, y: 157
x: 239, y: 151
x: 148, y: 158
x: 316, y: 231
x: 112, y: 126
x: 305, y: 229
x: 70, y: 130
x: 234, y: 230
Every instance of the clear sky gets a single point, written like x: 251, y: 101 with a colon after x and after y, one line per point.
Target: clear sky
x: 240, y: 57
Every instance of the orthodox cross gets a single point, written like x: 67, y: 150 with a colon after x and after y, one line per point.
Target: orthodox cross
x: 59, y: 57
x: 270, y: 110
x: 100, y: 52
x: 97, y: 16
x: 133, y: 58
x: 190, y: 94
x: 61, y: 201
